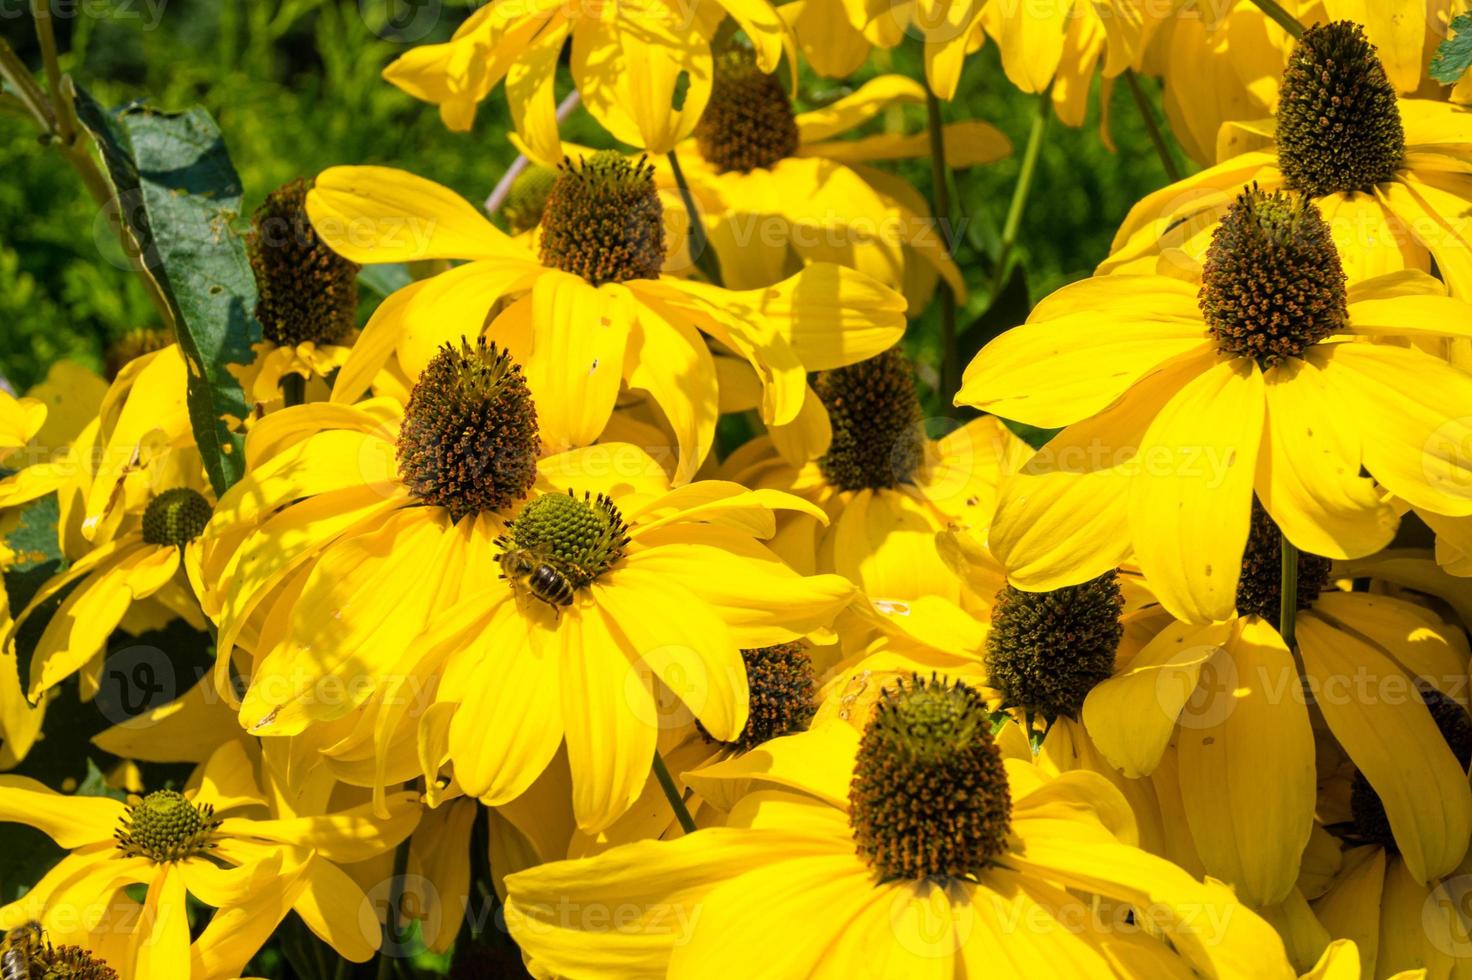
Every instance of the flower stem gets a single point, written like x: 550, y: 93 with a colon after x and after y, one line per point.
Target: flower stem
x: 46, y: 37
x: 672, y: 793
x: 57, y: 121
x: 1288, y: 594
x: 1022, y: 189
x: 701, y: 253
x: 502, y: 189
x: 391, y: 938
x: 1285, y: 20
x: 1156, y: 136
x: 293, y: 389
x: 940, y: 183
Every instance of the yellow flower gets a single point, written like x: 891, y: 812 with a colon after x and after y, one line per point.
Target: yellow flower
x: 363, y: 586
x: 1364, y: 888
x: 1055, y: 48
x: 1183, y: 396
x: 153, y: 555
x: 20, y: 418
x: 886, y: 488
x: 593, y: 312
x: 209, y: 842
x: 1230, y: 698
x: 779, y: 190
x: 307, y: 301
x: 1384, y: 171
x: 848, y: 856
x: 629, y: 61
x: 1219, y: 63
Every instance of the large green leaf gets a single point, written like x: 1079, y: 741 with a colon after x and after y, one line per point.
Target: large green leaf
x: 180, y: 197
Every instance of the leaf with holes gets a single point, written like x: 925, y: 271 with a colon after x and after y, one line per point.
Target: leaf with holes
x: 1454, y: 55
x: 179, y: 196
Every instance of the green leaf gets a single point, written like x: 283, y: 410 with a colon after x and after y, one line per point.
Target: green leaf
x: 1454, y: 55
x: 180, y: 196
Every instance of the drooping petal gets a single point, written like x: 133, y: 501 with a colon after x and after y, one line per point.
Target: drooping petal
x: 1132, y: 715
x: 1064, y: 517
x: 1393, y: 742
x: 1191, y: 496
x: 1308, y: 470
x: 629, y: 67
x: 1256, y: 734
x: 610, y: 715
x: 1411, y: 411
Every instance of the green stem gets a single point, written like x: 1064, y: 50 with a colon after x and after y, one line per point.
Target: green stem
x: 672, y: 793
x: 1022, y: 189
x: 1288, y: 594
x: 293, y: 389
x: 46, y: 37
x: 940, y: 182
x: 700, y: 251
x: 1156, y: 136
x: 1285, y: 20
x: 18, y: 76
x: 391, y: 935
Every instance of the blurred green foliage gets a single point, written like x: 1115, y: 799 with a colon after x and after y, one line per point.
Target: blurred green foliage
x: 295, y: 86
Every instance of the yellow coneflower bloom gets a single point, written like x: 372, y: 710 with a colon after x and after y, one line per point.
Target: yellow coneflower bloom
x: 152, y: 555
x: 307, y: 299
x: 601, y: 250
x: 581, y: 609
x: 886, y: 488
x: 643, y: 68
x: 1386, y: 172
x: 1262, y: 373
x: 906, y: 851
x: 206, y: 841
x: 779, y: 189
x: 949, y: 31
x: 1230, y: 697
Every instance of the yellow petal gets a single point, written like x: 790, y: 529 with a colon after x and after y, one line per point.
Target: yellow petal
x: 509, y: 722
x: 1060, y: 367
x: 335, y: 908
x: 162, y: 941
x: 344, y: 837
x: 1308, y: 469
x: 662, y: 883
x: 1417, y: 640
x: 380, y: 214
x: 1063, y: 518
x: 529, y: 92
x: 1256, y: 734
x: 610, y: 713
x: 1191, y: 498
x: 1411, y: 410
x: 670, y: 361
x: 818, y: 762
x: 757, y: 596
x: 576, y: 363
x: 71, y: 821
x: 628, y: 69
x: 1394, y: 744
x: 1132, y: 715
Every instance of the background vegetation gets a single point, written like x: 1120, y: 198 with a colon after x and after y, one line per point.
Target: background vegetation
x: 295, y: 86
